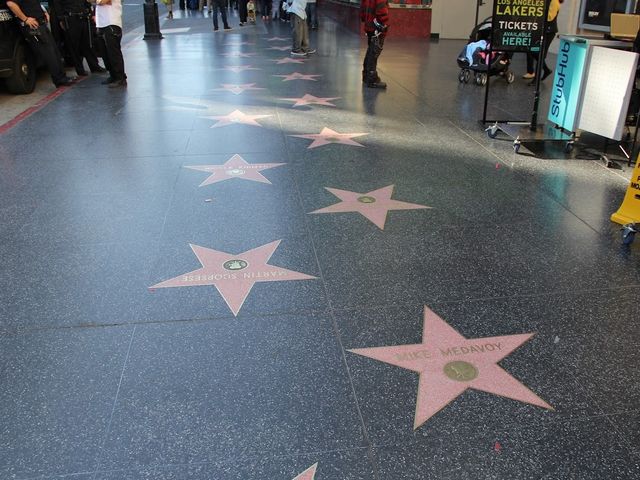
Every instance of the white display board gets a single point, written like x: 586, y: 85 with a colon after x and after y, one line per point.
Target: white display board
x: 609, y: 79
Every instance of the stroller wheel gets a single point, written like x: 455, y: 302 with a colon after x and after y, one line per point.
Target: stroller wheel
x: 461, y: 76
x: 483, y: 79
x: 510, y: 76
x: 467, y: 74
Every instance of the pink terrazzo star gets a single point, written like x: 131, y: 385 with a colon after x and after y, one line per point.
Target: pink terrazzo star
x: 309, y: 99
x: 308, y: 474
x: 449, y: 364
x: 327, y: 136
x: 281, y: 48
x: 237, y: 89
x: 374, y: 205
x: 236, y: 117
x: 240, y: 68
x: 233, y: 275
x: 298, y: 76
x: 235, y: 167
x: 277, y: 39
x: 289, y: 60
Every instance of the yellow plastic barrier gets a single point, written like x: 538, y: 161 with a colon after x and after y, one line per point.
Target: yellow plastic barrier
x: 629, y: 211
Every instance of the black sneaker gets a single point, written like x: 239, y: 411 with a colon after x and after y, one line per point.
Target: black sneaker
x: 108, y: 81
x: 228, y: 27
x: 310, y: 51
x: 215, y: 29
x: 377, y: 84
x: 118, y: 83
x: 298, y: 53
x: 65, y: 82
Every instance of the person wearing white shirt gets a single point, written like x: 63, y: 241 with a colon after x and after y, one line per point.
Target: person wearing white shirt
x: 109, y: 23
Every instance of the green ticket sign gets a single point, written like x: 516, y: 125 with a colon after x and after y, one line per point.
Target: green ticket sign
x: 517, y: 25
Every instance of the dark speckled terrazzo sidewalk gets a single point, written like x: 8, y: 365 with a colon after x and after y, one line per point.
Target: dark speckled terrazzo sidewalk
x: 197, y: 272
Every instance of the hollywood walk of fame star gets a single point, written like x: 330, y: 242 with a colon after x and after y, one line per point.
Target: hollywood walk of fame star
x: 449, y: 364
x: 289, y: 60
x: 237, y: 89
x: 238, y: 54
x: 236, y: 117
x: 327, y: 136
x: 309, y: 99
x: 235, y: 167
x: 298, y: 76
x: 281, y: 48
x: 373, y: 205
x: 276, y: 39
x: 308, y: 474
x: 233, y: 275
x: 240, y: 68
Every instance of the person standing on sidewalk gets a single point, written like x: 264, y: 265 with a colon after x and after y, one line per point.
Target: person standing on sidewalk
x: 109, y: 23
x: 299, y: 29
x: 33, y: 26
x: 312, y: 14
x: 222, y: 6
x: 375, y: 16
x: 549, y: 35
x: 74, y: 17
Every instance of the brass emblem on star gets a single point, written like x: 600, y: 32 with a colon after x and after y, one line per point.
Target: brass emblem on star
x: 366, y: 199
x: 235, y: 172
x: 460, y: 371
x: 235, y: 265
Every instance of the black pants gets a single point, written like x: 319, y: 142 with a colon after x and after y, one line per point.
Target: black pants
x: 77, y: 37
x: 44, y: 46
x: 222, y: 6
x: 242, y: 10
x: 370, y: 65
x: 113, y: 60
x: 265, y: 8
x: 550, y: 34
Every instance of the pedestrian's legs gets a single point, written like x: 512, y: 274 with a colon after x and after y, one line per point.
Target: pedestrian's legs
x: 72, y: 38
x: 242, y: 10
x: 370, y: 65
x: 112, y: 38
x: 222, y: 5
x: 216, y: 6
x: 45, y: 47
x: 530, y: 58
x: 304, y: 35
x: 86, y: 49
x: 296, y: 31
x: 312, y: 15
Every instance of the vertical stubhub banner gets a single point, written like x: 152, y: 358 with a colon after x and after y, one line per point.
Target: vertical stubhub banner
x: 567, y: 83
x: 517, y: 25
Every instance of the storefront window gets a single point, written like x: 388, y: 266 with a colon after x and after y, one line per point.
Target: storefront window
x: 596, y: 14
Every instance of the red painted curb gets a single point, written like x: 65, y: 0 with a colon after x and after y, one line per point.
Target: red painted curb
x: 31, y: 110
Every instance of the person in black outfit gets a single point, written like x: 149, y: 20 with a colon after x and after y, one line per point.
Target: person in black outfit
x: 74, y: 17
x: 243, y: 13
x: 33, y: 25
x: 222, y: 6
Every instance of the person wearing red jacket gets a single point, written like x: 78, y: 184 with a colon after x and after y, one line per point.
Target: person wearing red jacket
x: 375, y: 16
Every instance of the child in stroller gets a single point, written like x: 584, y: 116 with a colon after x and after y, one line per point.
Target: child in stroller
x: 474, y: 57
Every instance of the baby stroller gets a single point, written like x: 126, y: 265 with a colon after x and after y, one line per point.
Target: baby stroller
x: 474, y: 57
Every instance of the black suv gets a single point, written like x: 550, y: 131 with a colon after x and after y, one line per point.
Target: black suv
x: 17, y: 62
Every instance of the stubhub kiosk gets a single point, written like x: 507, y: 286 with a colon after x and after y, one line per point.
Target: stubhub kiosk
x: 592, y: 86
